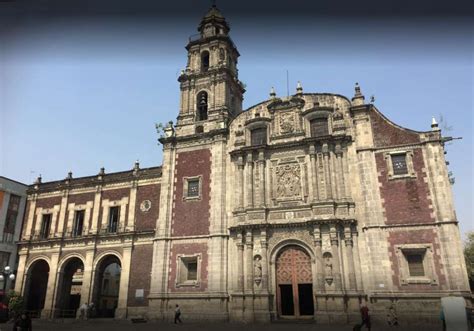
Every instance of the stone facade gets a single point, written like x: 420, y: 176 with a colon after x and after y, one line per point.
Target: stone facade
x: 299, y: 207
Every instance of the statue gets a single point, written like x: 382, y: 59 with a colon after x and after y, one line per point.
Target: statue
x: 257, y: 269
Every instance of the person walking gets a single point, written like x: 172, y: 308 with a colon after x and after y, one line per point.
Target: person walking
x: 364, y: 313
x: 177, y: 315
x: 23, y: 323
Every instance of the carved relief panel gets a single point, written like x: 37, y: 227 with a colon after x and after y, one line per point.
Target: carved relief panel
x: 289, y: 179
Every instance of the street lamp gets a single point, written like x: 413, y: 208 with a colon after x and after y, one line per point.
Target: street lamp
x: 5, y: 275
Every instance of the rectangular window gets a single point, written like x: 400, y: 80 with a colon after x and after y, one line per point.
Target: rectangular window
x: 415, y: 264
x: 258, y: 136
x: 4, y: 258
x: 114, y: 215
x: 188, y: 271
x: 399, y: 163
x: 319, y: 127
x: 78, y: 223
x: 45, y: 226
x: 12, y: 214
x: 193, y: 187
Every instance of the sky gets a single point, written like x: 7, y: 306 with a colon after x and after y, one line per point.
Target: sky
x: 82, y: 83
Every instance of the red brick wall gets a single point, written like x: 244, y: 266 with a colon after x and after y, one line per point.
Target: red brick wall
x: 25, y: 219
x: 147, y: 220
x: 192, y: 217
x: 387, y: 134
x: 140, y: 276
x: 406, y: 200
x: 188, y: 249
x: 415, y: 237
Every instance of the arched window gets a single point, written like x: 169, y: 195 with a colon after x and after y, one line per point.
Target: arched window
x: 204, y: 61
x: 258, y: 136
x: 202, y: 106
x: 319, y: 127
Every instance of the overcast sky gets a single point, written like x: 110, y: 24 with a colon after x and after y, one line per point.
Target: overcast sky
x: 82, y: 85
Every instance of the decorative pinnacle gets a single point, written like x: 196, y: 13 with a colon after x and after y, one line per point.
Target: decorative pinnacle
x: 357, y: 90
x: 69, y: 175
x: 434, y: 124
x: 272, y: 92
x: 102, y: 171
x: 38, y: 180
x: 299, y: 88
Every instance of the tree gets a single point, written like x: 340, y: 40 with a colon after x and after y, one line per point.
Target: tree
x: 469, y: 256
x: 15, y: 303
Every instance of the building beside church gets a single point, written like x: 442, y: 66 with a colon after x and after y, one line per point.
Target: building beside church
x: 299, y: 207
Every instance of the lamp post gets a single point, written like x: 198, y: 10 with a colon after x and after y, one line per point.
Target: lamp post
x: 6, y: 274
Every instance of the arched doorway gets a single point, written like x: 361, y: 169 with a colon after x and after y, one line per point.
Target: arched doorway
x: 294, y: 283
x: 36, y: 286
x: 70, y: 287
x: 107, y: 286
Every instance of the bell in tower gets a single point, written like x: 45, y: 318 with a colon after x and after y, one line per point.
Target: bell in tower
x: 211, y: 93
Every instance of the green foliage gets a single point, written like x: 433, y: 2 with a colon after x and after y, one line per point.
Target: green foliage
x: 15, y: 302
x: 469, y: 254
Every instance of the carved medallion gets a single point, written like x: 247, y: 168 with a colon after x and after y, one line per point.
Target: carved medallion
x: 145, y: 205
x: 287, y: 123
x: 288, y: 178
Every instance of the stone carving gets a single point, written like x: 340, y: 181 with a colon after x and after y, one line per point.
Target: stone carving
x: 287, y: 123
x: 145, y: 205
x: 328, y: 267
x: 221, y: 54
x: 257, y: 269
x: 288, y: 181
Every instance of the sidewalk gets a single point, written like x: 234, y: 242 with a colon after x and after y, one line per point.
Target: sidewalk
x: 117, y: 325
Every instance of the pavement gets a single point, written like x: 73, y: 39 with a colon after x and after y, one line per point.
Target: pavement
x: 118, y: 325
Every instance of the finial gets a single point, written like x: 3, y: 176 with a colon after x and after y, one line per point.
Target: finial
x: 137, y: 164
x: 372, y: 98
x: 272, y: 92
x: 357, y: 89
x: 434, y: 124
x: 213, y: 3
x: 102, y: 171
x: 358, y: 98
x: 38, y: 180
x: 69, y: 175
x: 299, y: 88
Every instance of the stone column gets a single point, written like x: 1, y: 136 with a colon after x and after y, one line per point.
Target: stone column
x: 327, y: 172
x: 358, y: 269
x: 249, y: 186
x: 261, y: 170
x: 121, y: 311
x: 62, y: 213
x: 314, y: 173
x: 340, y: 172
x: 345, y: 171
x: 31, y: 216
x: 239, y: 190
x: 20, y: 274
x: 335, y: 258
x: 131, y: 207
x: 264, y: 250
x: 50, y: 291
x: 95, y: 215
x: 240, y: 263
x: 249, y: 261
x: 86, y: 295
x: 318, y: 259
x: 350, y: 257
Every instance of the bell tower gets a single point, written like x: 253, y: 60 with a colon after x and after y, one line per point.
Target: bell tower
x: 211, y: 93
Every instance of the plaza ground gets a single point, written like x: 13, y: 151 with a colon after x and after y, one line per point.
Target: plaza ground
x: 106, y: 325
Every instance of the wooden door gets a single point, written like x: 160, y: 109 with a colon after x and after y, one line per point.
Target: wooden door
x: 293, y: 268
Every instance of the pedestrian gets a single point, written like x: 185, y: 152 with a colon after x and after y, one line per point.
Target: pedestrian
x: 23, y: 323
x: 364, y: 313
x: 177, y: 314
x: 443, y: 320
x: 83, y: 311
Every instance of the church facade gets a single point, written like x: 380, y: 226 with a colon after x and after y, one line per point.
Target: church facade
x: 301, y: 207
